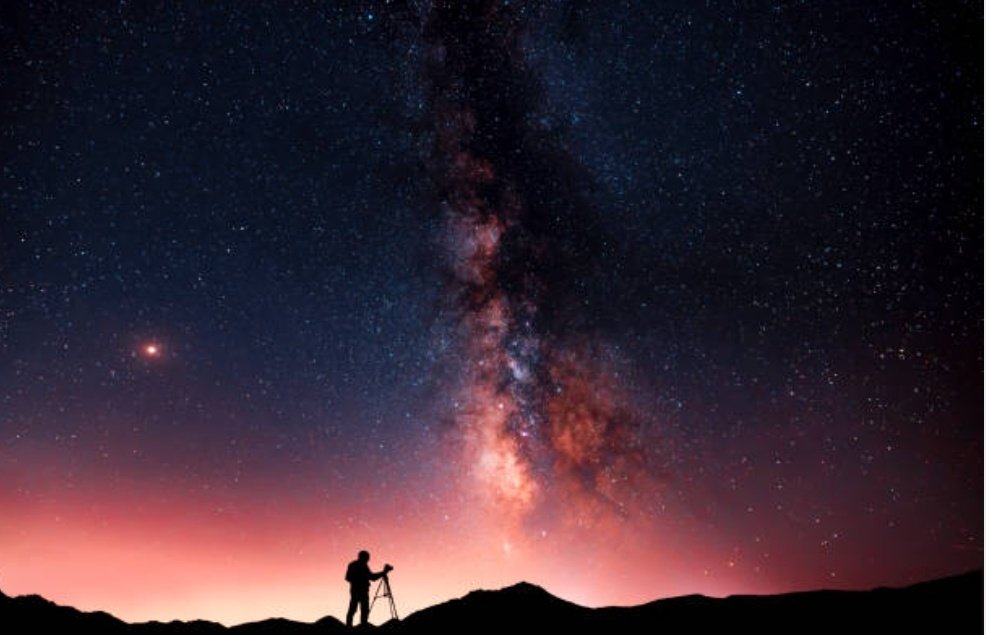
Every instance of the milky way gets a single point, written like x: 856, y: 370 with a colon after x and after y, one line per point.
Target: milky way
x: 540, y: 413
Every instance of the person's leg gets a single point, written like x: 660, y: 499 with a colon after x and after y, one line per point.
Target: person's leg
x: 353, y: 601
x: 364, y: 608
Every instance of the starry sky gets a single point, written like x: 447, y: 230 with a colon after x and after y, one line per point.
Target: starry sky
x: 626, y: 299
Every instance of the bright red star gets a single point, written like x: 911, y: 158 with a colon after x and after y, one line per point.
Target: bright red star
x: 151, y: 350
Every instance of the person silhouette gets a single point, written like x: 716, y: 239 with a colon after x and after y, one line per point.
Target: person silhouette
x: 358, y: 575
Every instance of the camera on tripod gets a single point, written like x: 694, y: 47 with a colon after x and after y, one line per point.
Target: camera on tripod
x: 383, y: 591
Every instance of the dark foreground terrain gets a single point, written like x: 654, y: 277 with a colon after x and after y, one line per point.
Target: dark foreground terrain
x: 949, y: 605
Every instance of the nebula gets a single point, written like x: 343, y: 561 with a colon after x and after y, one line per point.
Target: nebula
x: 542, y: 419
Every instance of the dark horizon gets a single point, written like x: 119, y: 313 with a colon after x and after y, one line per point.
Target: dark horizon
x: 958, y: 596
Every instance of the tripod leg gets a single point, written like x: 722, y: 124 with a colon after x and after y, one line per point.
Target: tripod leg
x: 376, y: 594
x: 393, y: 605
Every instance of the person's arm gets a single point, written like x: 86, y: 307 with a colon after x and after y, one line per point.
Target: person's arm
x: 386, y: 569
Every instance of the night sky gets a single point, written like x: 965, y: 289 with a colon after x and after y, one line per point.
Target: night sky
x: 625, y: 299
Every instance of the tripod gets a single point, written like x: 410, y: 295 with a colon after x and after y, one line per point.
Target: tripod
x: 383, y: 591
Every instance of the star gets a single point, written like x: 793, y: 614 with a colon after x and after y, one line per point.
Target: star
x: 151, y: 350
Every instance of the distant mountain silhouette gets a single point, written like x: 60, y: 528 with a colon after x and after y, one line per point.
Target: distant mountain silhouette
x: 948, y: 605
x: 34, y: 614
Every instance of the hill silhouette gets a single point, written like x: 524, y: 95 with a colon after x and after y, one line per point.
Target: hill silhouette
x: 952, y: 605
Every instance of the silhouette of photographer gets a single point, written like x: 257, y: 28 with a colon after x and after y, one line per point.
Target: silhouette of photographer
x: 359, y: 576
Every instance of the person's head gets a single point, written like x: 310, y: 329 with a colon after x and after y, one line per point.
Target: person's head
x: 364, y: 556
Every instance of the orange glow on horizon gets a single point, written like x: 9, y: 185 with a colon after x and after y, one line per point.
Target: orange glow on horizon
x: 188, y: 560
